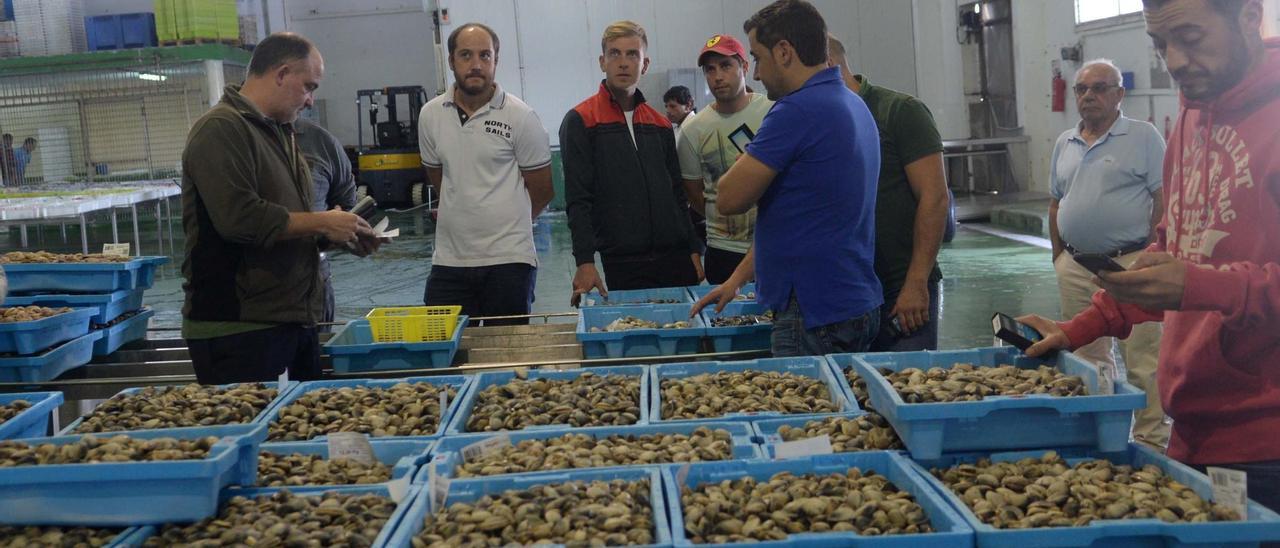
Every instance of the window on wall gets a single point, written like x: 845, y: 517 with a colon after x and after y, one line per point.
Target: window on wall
x: 1093, y: 10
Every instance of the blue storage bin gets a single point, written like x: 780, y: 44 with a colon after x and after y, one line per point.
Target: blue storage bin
x: 352, y: 349
x: 122, y: 494
x: 138, y: 30
x: 112, y: 32
x: 766, y: 431
x: 1261, y: 524
x: 449, y: 450
x: 35, y: 336
x: 950, y: 530
x: 998, y: 422
x: 47, y: 366
x: 460, y: 383
x: 807, y: 366
x: 746, y: 294
x: 132, y: 329
x: 34, y: 421
x: 732, y: 339
x: 107, y: 306
x: 281, y: 393
x: 639, y: 342
x: 469, y: 490
x: 623, y: 297
x: 402, y: 456
x: 484, y: 380
x: 138, y: 273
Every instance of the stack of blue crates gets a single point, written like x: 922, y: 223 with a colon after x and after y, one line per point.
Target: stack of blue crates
x: 123, y: 31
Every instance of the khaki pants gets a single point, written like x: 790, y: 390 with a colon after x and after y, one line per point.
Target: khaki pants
x: 1141, y: 350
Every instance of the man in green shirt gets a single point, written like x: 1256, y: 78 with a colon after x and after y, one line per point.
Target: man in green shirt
x: 911, y: 211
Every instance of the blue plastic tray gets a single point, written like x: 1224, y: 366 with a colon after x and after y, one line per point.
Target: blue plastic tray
x: 747, y: 292
x: 36, y: 336
x: 998, y: 422
x: 130, y: 330
x: 766, y: 431
x: 950, y: 530
x: 34, y: 422
x: 461, y: 383
x: 108, y: 306
x: 732, y: 339
x: 637, y: 296
x: 484, y: 380
x: 260, y: 419
x: 122, y: 494
x: 639, y: 342
x: 807, y: 366
x: 138, y: 273
x: 403, y: 456
x: 1262, y: 524
x: 449, y: 449
x: 47, y: 366
x: 353, y: 350
x: 471, y: 489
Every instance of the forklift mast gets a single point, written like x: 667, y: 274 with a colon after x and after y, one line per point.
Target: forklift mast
x: 390, y: 132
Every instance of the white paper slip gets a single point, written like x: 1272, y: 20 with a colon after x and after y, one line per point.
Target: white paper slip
x: 820, y: 445
x: 437, y: 487
x: 1106, y: 379
x: 444, y: 404
x: 485, y: 447
x: 682, y: 474
x: 351, y: 445
x: 118, y: 250
x: 381, y: 229
x: 1230, y: 489
x: 398, y: 489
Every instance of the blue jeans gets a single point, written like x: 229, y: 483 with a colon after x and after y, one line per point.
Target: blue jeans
x: 790, y: 338
x: 925, y: 338
x: 1264, y: 482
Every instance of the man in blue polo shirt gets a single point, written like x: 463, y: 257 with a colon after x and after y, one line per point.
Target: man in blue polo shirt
x: 812, y: 169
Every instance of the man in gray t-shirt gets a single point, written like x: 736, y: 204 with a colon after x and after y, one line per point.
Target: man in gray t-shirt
x: 335, y: 185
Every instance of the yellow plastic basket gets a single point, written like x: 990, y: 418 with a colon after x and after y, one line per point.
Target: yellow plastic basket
x: 413, y: 323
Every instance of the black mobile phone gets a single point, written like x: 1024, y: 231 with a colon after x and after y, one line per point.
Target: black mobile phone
x: 1097, y: 262
x: 1014, y: 332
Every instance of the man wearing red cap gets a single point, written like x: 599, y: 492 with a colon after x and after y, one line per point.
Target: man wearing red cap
x: 711, y: 141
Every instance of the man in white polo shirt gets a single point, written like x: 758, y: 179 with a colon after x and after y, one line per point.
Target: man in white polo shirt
x: 489, y: 159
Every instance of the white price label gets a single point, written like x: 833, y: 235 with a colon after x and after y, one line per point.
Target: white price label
x: 282, y: 380
x: 444, y: 403
x: 437, y: 487
x: 682, y: 474
x: 485, y: 447
x: 351, y: 445
x: 1106, y: 379
x: 119, y: 250
x: 820, y: 445
x: 1230, y: 489
x: 398, y: 489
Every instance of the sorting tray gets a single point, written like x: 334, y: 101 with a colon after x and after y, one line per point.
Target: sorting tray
x: 997, y: 422
x: 622, y: 297
x: 950, y: 531
x: 461, y: 383
x: 138, y: 273
x: 353, y: 349
x: 53, y: 362
x: 107, y: 305
x: 34, y: 421
x: 260, y: 419
x: 472, y: 489
x: 448, y: 451
x: 121, y: 494
x: 1261, y: 525
x: 732, y: 339
x: 35, y: 336
x: 458, y: 425
x: 402, y: 456
x: 806, y: 366
x: 639, y: 342
x: 747, y: 293
x: 132, y: 329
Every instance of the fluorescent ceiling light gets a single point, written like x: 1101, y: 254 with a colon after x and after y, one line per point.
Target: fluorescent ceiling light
x: 152, y: 77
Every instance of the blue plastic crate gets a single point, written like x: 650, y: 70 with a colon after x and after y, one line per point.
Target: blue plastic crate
x: 732, y: 339
x: 47, y: 366
x: 808, y: 366
x: 460, y: 383
x: 402, y: 456
x: 34, y: 421
x: 281, y: 393
x: 766, y: 431
x: 998, y: 422
x: 35, y: 336
x: 639, y: 342
x: 950, y: 530
x: 449, y: 449
x: 107, y: 306
x: 138, y: 30
x: 132, y: 329
x: 469, y: 490
x: 458, y: 424
x: 353, y: 349
x: 138, y: 273
x: 746, y: 294
x: 121, y: 494
x: 1261, y: 525
x: 623, y: 297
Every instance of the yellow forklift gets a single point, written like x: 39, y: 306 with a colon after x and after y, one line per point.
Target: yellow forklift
x: 390, y: 168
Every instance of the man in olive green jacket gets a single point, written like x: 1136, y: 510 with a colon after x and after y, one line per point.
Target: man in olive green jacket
x: 253, y: 290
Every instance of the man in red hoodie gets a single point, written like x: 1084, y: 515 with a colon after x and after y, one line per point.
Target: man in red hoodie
x: 1213, y: 273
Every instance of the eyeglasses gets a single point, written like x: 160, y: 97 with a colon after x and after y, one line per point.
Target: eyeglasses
x: 1097, y: 89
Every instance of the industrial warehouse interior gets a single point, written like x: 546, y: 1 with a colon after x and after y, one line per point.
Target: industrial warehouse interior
x: 662, y: 272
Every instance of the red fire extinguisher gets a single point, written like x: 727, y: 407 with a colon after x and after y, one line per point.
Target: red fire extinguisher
x: 1059, y: 92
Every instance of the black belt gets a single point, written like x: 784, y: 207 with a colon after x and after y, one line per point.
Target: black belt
x: 1114, y: 253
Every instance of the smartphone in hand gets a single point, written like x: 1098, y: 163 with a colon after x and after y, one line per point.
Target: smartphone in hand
x: 1097, y: 262
x: 1014, y: 332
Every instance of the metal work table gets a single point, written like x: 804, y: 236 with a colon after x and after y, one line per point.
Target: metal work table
x: 25, y: 211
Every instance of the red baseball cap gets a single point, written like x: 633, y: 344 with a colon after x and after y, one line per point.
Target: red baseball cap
x: 726, y: 45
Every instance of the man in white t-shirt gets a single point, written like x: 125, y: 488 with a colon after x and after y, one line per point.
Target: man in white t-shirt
x: 489, y: 159
x: 711, y: 141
